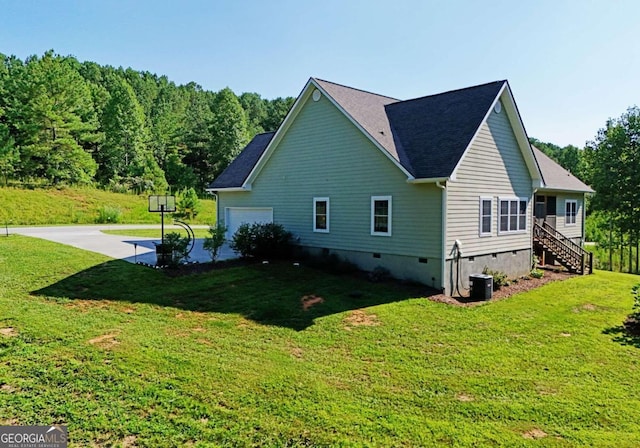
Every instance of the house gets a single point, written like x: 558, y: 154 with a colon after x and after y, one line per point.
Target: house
x: 432, y: 189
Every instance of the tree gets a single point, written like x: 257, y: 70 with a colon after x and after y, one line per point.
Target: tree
x: 613, y: 168
x: 277, y: 109
x: 54, y: 121
x: 198, y: 137
x: 125, y: 155
x: 229, y: 129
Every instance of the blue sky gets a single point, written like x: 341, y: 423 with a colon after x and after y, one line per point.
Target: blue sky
x: 571, y: 64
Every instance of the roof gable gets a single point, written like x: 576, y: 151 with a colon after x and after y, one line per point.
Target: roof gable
x: 434, y: 131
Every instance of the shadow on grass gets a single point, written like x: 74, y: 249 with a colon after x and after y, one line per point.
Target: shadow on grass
x: 622, y: 336
x: 273, y: 294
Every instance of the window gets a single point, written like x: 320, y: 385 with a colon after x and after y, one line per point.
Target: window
x: 570, y: 212
x: 321, y: 215
x: 381, y: 215
x: 513, y: 215
x: 486, y: 204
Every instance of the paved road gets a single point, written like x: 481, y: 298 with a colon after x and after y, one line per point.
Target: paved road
x: 131, y: 249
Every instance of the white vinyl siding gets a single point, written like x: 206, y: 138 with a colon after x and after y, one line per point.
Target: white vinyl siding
x: 513, y: 215
x: 570, y: 212
x: 321, y: 215
x: 486, y: 216
x: 381, y: 215
x: 495, y: 168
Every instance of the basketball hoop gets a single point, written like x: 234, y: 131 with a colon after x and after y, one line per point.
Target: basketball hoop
x: 162, y: 204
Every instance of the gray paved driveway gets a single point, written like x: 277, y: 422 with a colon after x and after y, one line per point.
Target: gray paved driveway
x: 131, y: 249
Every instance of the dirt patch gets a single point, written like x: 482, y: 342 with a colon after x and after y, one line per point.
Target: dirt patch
x: 105, y: 341
x: 522, y: 285
x: 7, y: 388
x: 464, y: 398
x: 358, y: 318
x: 535, y: 434
x: 8, y: 331
x: 297, y: 352
x: 129, y: 442
x: 310, y: 300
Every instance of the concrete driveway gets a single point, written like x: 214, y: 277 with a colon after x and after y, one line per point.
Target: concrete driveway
x: 131, y: 249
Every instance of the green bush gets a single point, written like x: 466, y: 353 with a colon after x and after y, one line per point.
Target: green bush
x: 499, y: 278
x: 177, y: 245
x: 536, y: 273
x: 215, y: 240
x: 632, y: 323
x: 108, y: 215
x: 262, y: 240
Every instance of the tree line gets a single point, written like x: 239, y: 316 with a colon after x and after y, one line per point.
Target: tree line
x: 63, y: 121
x: 610, y: 164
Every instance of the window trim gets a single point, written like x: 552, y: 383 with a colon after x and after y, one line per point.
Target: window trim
x: 315, y: 202
x: 482, y: 233
x: 389, y: 215
x: 518, y: 215
x: 573, y: 222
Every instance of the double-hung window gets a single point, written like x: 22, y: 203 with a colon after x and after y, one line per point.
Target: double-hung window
x: 381, y: 215
x: 570, y: 212
x: 513, y: 215
x: 486, y: 208
x: 321, y: 215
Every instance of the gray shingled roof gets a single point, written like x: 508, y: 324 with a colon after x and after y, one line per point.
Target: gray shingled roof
x: 434, y: 131
x: 555, y: 177
x: 427, y: 136
x: 238, y: 171
x: 366, y: 109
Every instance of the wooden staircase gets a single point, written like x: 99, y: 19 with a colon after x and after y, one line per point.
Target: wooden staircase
x: 572, y: 256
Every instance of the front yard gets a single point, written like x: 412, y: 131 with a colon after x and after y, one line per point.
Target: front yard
x: 279, y: 355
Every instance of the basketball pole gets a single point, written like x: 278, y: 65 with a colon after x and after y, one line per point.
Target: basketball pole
x: 162, y: 223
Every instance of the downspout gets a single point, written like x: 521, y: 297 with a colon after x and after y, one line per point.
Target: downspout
x: 444, y: 232
x: 215, y: 195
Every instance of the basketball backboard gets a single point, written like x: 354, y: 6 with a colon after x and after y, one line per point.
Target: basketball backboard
x: 162, y: 203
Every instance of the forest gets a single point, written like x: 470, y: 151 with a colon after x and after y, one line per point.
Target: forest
x: 66, y: 122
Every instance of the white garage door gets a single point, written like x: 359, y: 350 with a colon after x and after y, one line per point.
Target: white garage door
x: 235, y: 216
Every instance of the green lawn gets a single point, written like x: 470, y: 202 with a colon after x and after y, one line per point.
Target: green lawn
x: 127, y: 356
x: 82, y: 206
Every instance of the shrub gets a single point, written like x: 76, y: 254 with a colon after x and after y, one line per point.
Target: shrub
x: 262, y: 240
x: 177, y: 245
x: 107, y: 215
x: 632, y: 323
x: 499, y: 278
x: 536, y: 273
x: 215, y: 240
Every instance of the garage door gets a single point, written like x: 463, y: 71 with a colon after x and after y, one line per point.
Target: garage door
x: 235, y: 216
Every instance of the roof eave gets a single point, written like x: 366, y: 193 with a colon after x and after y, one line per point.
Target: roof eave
x: 228, y: 189
x: 428, y: 180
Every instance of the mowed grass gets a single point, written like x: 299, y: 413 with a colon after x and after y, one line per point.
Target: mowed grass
x: 127, y: 356
x: 81, y: 206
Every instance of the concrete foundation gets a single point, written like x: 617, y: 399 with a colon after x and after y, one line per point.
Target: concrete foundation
x: 422, y: 270
x: 513, y: 263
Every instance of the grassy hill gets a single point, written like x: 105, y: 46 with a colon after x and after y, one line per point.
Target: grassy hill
x: 82, y: 206
x: 233, y: 358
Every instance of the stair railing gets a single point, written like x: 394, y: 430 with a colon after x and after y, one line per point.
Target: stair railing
x: 569, y: 253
